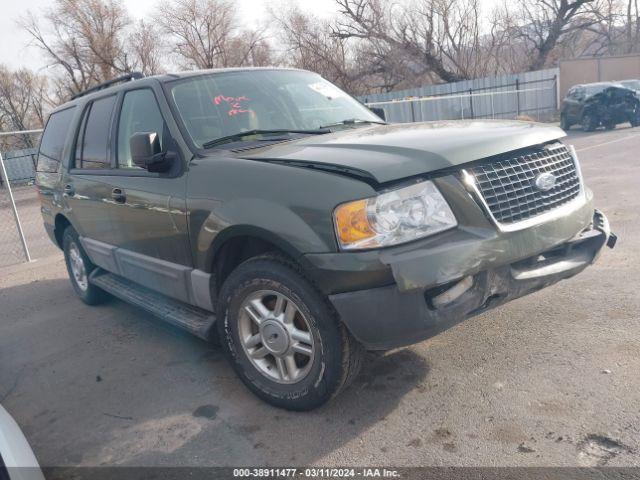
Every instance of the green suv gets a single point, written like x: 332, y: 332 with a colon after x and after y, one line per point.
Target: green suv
x: 270, y: 210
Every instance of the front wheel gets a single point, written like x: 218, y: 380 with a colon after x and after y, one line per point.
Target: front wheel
x: 282, y: 337
x: 79, y: 268
x: 635, y: 116
x: 564, y: 122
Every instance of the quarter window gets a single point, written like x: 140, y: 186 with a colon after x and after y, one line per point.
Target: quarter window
x: 53, y: 140
x: 93, y: 141
x: 140, y: 113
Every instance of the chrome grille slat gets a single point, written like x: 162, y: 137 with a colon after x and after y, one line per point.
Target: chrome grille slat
x: 508, y: 184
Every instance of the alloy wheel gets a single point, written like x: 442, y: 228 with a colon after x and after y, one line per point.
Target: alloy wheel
x: 276, y: 336
x: 78, y: 268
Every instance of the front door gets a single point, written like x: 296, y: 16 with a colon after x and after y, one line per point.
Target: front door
x: 148, y: 210
x: 573, y: 101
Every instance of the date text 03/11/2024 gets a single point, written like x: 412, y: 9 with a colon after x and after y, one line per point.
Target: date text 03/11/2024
x: 315, y: 472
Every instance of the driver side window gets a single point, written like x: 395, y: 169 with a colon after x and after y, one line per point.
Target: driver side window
x: 140, y: 113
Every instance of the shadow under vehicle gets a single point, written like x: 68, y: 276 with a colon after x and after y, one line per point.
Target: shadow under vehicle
x: 600, y: 105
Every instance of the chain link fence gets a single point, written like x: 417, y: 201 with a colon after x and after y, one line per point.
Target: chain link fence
x: 22, y: 233
x: 531, y: 94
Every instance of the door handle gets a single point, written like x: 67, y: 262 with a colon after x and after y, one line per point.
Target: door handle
x: 118, y: 195
x: 69, y: 190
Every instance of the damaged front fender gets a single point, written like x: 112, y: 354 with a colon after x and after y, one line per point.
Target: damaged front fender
x: 386, y: 317
x: 470, y: 249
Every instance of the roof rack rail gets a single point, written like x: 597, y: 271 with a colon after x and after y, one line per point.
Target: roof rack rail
x: 109, y: 83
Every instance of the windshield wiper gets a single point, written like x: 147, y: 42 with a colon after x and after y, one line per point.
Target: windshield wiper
x: 240, y: 135
x: 353, y: 121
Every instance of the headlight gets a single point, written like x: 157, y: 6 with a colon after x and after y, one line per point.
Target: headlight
x: 393, y: 217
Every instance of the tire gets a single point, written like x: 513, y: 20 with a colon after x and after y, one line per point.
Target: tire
x: 77, y: 261
x: 609, y: 126
x: 564, y: 123
x: 264, y: 291
x: 635, y: 119
x: 588, y: 122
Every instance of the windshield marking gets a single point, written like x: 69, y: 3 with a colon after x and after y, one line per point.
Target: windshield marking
x: 222, y: 104
x: 234, y: 103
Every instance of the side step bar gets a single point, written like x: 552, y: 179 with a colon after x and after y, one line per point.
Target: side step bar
x: 193, y: 319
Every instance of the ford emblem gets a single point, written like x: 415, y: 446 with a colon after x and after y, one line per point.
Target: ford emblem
x: 545, y: 181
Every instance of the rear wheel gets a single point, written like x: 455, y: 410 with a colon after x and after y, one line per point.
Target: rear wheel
x: 589, y: 122
x: 79, y: 268
x: 282, y: 337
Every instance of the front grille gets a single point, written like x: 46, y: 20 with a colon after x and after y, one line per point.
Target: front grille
x: 507, y: 183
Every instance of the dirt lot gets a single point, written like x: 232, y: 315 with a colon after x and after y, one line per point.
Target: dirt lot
x: 550, y: 379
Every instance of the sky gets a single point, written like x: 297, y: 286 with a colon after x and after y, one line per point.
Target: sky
x: 15, y: 52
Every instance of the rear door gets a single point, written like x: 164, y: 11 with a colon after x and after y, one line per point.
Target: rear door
x: 86, y: 187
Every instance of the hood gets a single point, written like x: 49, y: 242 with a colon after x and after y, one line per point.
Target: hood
x: 385, y: 153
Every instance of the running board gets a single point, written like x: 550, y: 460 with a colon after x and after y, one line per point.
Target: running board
x: 190, y: 318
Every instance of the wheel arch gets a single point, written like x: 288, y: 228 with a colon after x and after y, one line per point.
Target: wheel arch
x: 236, y: 244
x: 60, y: 224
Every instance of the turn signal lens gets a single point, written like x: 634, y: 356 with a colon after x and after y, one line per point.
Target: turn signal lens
x: 352, y: 223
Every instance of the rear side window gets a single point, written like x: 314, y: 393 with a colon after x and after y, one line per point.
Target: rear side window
x: 93, y: 141
x: 53, y: 140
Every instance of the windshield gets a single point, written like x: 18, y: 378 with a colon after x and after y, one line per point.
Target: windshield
x: 635, y: 84
x: 597, y: 88
x: 221, y: 104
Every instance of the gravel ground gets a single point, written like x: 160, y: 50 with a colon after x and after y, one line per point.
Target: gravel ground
x: 550, y: 379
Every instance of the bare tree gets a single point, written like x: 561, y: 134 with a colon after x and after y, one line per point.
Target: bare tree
x: 617, y: 30
x: 23, y: 101
x: 147, y: 46
x: 371, y: 45
x: 248, y: 47
x: 205, y: 34
x: 632, y: 27
x: 543, y: 25
x: 310, y: 45
x: 443, y: 37
x: 84, y: 39
x: 384, y: 68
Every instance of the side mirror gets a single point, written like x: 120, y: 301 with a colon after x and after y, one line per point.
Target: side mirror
x: 379, y: 112
x: 146, y: 152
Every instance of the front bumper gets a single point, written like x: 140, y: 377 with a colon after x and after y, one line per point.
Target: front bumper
x: 394, y: 315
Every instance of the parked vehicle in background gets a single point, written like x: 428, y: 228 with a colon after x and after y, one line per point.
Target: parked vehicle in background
x: 270, y: 208
x: 599, y: 105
